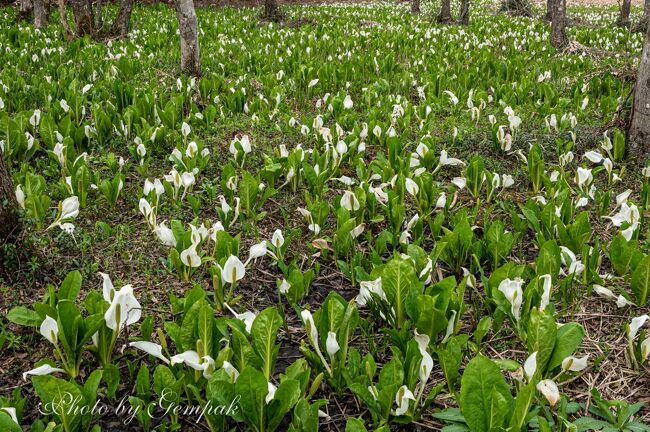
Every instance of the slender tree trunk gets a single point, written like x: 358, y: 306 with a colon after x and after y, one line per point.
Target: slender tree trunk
x: 40, y: 14
x: 464, y: 12
x: 83, y: 17
x: 642, y: 25
x: 98, y: 16
x: 624, y: 15
x: 123, y: 20
x: 63, y: 12
x: 639, y: 133
x: 559, y: 38
x: 271, y: 10
x: 445, y: 12
x: 9, y: 222
x: 25, y: 8
x: 189, y: 31
x: 415, y: 7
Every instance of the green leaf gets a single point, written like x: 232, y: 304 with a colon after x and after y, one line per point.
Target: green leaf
x: 541, y: 336
x: 264, y: 332
x: 484, y: 394
x: 621, y: 253
x: 205, y: 325
x: 111, y: 375
x: 7, y: 424
x: 286, y: 396
x: 57, y: 394
x: 355, y: 425
x: 251, y: 387
x: 24, y: 316
x: 143, y: 383
x: 549, y: 259
x: 523, y: 402
x: 569, y: 337
x: 249, y: 188
x: 641, y: 281
x: 398, y: 279
x: 70, y: 286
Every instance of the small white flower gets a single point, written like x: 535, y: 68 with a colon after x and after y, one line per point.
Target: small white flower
x: 185, y: 129
x: 284, y: 286
x: 412, y: 187
x: 50, y: 329
x: 233, y: 270
x: 258, y: 250
x: 368, y: 289
x: 124, y: 309
x: 20, y: 196
x: 575, y: 364
x: 151, y: 349
x: 459, y: 182
x: 549, y: 389
x: 271, y: 393
x: 331, y: 344
x: 347, y: 102
x: 165, y: 235
x: 530, y: 366
x: 190, y: 257
x: 512, y: 290
x: 349, y: 201
x: 402, y: 398
x: 277, y: 240
x: 636, y: 324
x: 45, y: 369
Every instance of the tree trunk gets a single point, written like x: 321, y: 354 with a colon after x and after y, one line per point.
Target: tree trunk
x: 549, y: 7
x: 123, y: 20
x: 415, y: 7
x: 98, y: 16
x: 642, y: 25
x: 639, y: 133
x: 9, y: 222
x: 189, y: 31
x: 63, y: 13
x: 25, y: 9
x: 445, y: 12
x: 83, y: 17
x: 624, y: 15
x: 559, y: 38
x: 464, y: 12
x: 40, y: 14
x: 271, y: 10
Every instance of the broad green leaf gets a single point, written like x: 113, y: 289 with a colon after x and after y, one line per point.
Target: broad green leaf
x: 355, y: 425
x: 541, y: 336
x: 70, y: 286
x: 251, y: 387
x: 57, y: 394
x: 569, y: 337
x: 641, y: 281
x: 24, y: 316
x: 285, y: 397
x: 523, y: 402
x: 264, y: 332
x: 7, y: 424
x: 205, y: 324
x: 398, y: 279
x: 480, y: 380
x: 621, y: 253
